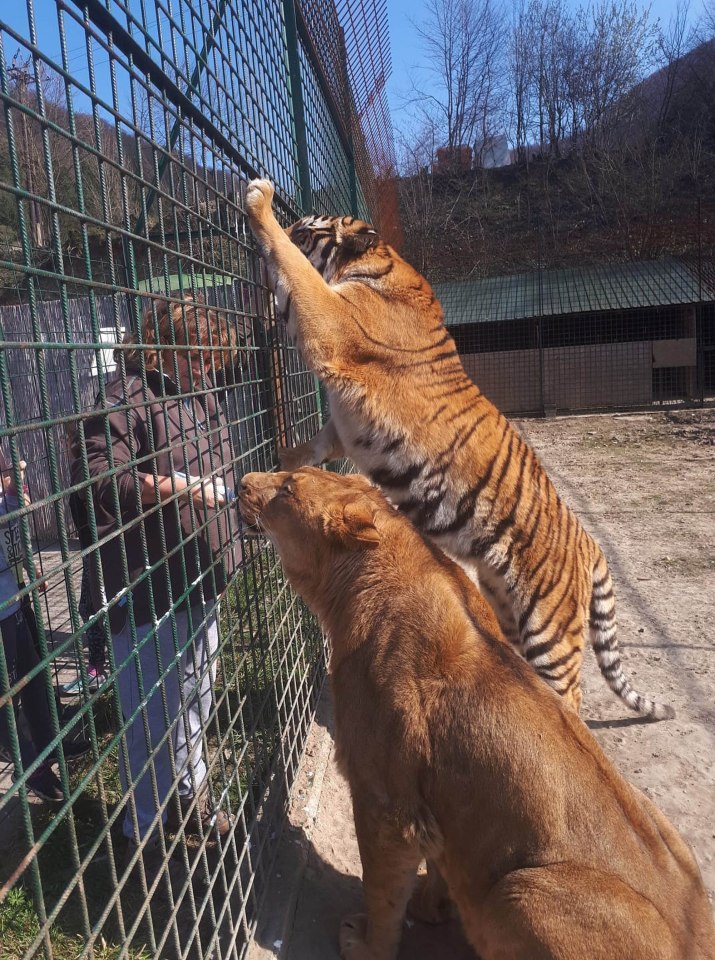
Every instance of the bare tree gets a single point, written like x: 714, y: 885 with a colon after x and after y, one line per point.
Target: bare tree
x: 571, y: 73
x: 707, y: 24
x: 464, y: 46
x: 545, y: 75
x: 620, y: 50
x: 417, y: 200
x: 520, y: 70
x: 672, y: 45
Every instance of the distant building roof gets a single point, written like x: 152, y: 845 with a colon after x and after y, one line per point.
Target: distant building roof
x: 622, y: 286
x: 176, y: 283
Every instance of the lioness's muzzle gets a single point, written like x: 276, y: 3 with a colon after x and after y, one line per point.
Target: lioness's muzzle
x: 257, y: 490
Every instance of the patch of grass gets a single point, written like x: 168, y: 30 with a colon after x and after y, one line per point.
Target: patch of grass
x: 19, y: 927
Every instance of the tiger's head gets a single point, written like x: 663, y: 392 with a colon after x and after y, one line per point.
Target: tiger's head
x: 333, y: 243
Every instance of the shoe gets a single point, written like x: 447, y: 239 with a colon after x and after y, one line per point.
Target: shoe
x: 96, y: 679
x: 156, y: 863
x: 73, y: 750
x: 203, y: 818
x: 44, y: 784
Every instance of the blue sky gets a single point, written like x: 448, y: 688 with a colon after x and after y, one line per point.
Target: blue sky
x: 406, y: 49
x: 405, y: 42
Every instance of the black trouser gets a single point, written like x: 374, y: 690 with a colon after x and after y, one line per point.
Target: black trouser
x: 21, y: 657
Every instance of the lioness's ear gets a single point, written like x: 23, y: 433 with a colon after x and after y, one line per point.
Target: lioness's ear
x: 358, y: 523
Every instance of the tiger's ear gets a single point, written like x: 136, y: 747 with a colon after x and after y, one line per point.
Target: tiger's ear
x: 360, y: 241
x: 357, y: 526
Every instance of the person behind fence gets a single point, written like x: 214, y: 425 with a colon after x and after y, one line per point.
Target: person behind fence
x: 29, y: 710
x: 166, y: 553
x: 94, y: 634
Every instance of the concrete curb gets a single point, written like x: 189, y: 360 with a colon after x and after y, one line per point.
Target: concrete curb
x: 272, y: 936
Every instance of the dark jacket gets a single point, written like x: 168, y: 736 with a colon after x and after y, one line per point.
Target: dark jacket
x: 192, y: 558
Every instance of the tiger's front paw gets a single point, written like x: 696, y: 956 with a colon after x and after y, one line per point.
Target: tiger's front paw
x: 259, y: 197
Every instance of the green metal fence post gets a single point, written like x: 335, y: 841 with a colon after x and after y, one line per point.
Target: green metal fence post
x: 295, y: 81
x: 348, y: 108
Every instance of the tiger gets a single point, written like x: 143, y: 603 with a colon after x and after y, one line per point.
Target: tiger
x: 405, y: 412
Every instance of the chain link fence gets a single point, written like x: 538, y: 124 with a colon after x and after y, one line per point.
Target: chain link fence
x: 157, y: 676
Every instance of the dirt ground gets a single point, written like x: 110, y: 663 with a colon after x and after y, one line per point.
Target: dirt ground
x: 644, y: 486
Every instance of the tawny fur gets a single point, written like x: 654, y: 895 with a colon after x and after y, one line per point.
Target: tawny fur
x: 404, y: 410
x: 453, y: 749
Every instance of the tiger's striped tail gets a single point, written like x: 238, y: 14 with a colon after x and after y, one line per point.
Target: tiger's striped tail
x: 602, y: 628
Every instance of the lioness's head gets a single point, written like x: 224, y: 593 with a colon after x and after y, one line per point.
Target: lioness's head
x: 332, y: 243
x: 312, y: 516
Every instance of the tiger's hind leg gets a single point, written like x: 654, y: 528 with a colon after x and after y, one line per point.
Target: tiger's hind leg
x: 494, y: 591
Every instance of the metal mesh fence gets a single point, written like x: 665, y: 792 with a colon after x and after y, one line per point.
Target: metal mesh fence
x: 157, y: 677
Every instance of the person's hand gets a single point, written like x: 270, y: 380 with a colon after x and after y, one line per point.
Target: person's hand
x: 205, y: 494
x: 42, y: 586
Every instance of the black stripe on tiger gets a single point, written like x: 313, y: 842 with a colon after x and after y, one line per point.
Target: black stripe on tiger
x: 554, y: 614
x: 442, y: 340
x: 463, y: 511
x: 464, y: 437
x: 605, y: 644
x: 467, y: 503
x: 506, y: 463
x: 604, y: 597
x: 386, y: 477
x: 438, y: 413
x: 326, y: 251
x: 392, y: 445
x: 602, y: 619
x: 506, y: 523
x: 562, y: 661
x: 428, y: 509
x: 597, y: 584
x: 464, y: 411
x: 543, y: 648
x: 538, y: 595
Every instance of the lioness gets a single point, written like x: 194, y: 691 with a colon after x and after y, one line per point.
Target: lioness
x: 455, y: 750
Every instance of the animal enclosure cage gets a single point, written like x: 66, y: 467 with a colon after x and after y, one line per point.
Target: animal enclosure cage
x: 610, y: 336
x: 129, y: 131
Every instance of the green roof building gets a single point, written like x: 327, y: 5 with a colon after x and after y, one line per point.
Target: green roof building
x: 603, y: 337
